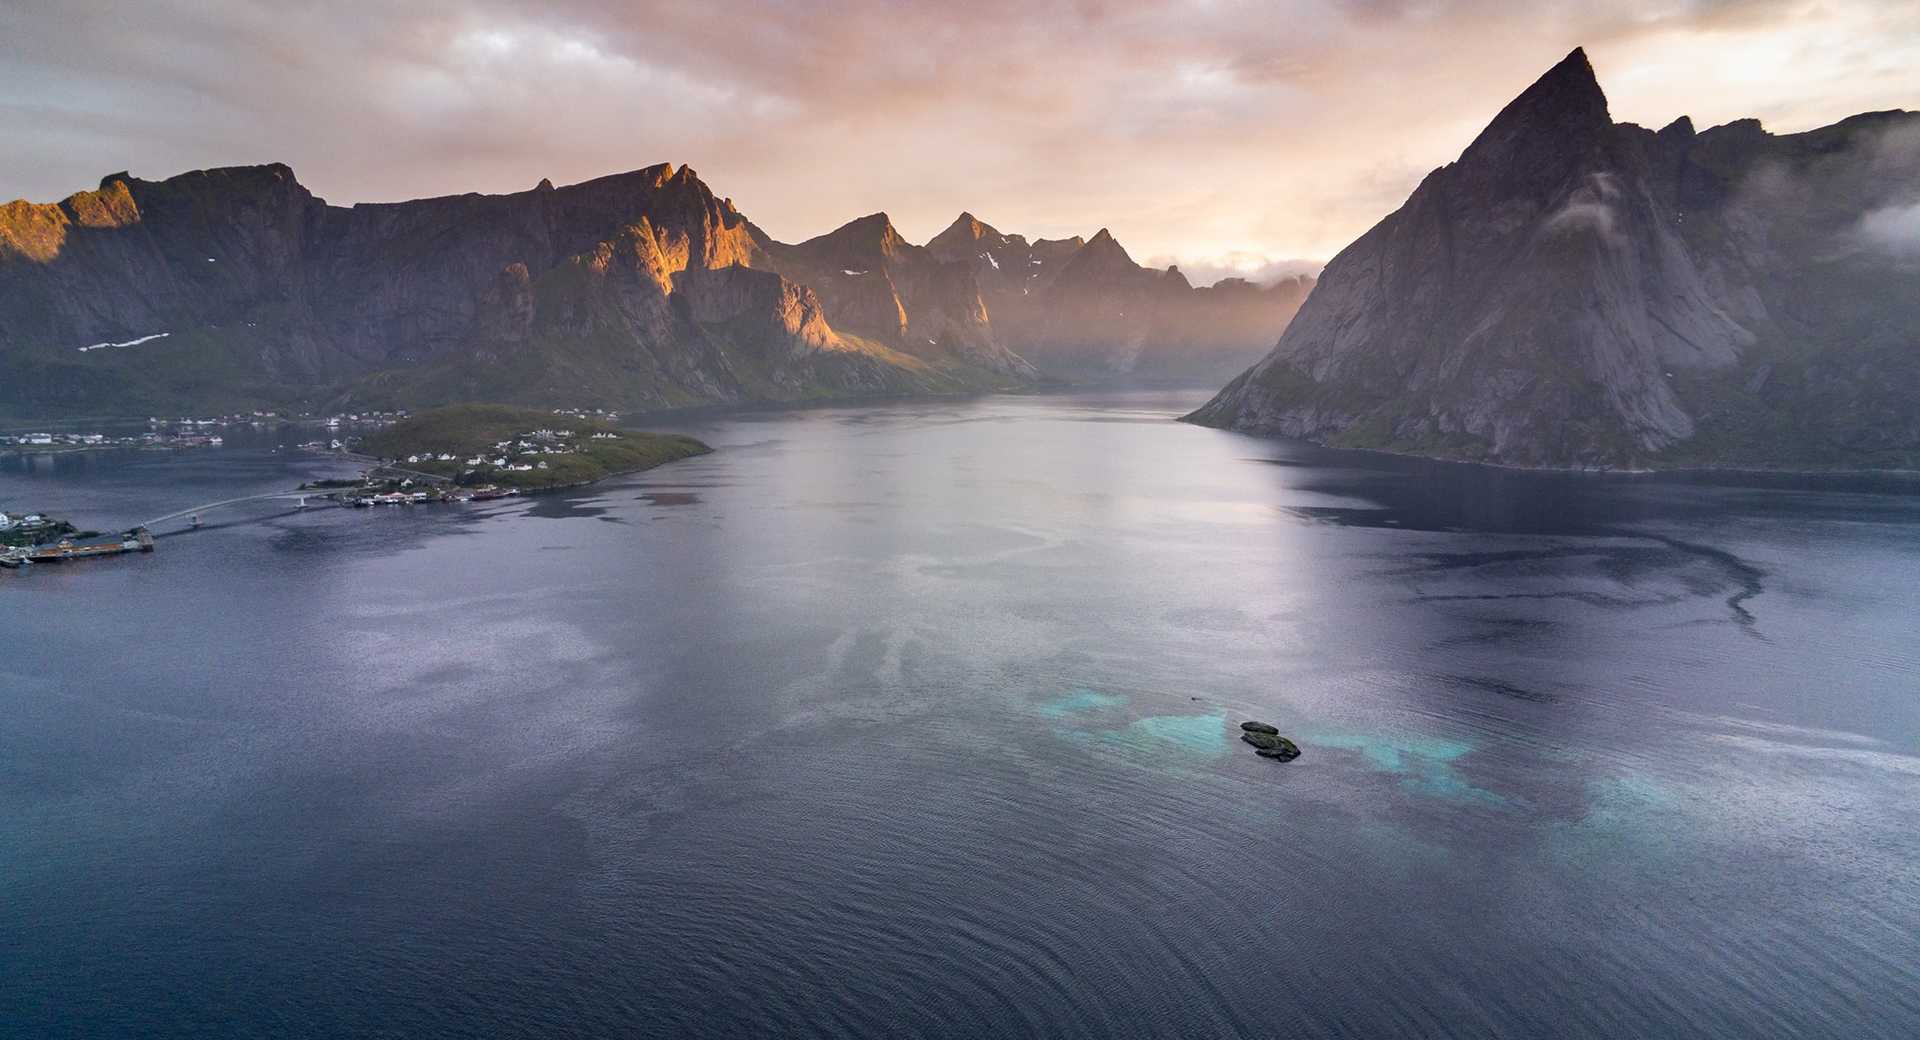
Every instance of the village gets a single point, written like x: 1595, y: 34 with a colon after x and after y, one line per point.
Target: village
x: 522, y: 453
x: 446, y: 456
x: 155, y: 440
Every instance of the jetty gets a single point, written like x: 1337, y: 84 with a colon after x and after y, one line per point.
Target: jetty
x: 137, y: 540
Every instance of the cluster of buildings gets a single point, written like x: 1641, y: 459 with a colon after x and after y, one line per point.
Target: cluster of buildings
x: 334, y: 422
x: 518, y: 454
x: 23, y: 523
x: 47, y: 440
x: 589, y: 413
x: 186, y: 422
x: 89, y: 441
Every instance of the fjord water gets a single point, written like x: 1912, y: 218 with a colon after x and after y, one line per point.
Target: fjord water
x: 918, y: 720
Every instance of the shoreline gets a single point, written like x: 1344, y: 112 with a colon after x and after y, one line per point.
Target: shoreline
x: 1595, y: 471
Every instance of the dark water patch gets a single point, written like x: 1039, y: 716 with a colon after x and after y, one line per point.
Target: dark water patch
x: 1499, y: 687
x: 670, y: 498
x: 564, y: 506
x: 1494, y: 631
x: 1747, y: 577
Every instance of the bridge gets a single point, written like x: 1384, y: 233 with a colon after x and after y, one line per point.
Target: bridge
x: 197, y: 510
x: 301, y: 495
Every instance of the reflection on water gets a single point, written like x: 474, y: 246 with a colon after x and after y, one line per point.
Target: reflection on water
x: 922, y: 719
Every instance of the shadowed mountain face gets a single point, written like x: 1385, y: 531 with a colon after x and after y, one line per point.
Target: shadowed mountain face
x: 1085, y: 309
x: 638, y: 290
x: 237, y: 288
x: 1576, y: 292
x: 875, y: 283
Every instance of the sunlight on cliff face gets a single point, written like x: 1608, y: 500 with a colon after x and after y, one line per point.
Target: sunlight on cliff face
x: 39, y: 232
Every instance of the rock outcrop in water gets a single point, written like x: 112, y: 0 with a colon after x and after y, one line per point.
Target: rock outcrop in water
x: 1267, y: 741
x: 1576, y: 292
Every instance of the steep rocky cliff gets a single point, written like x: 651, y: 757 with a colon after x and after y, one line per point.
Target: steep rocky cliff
x: 876, y: 284
x: 638, y: 290
x: 1576, y: 292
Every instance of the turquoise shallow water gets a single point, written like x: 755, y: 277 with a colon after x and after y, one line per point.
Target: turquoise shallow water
x: 922, y: 720
x: 1424, y: 764
x: 1078, y: 702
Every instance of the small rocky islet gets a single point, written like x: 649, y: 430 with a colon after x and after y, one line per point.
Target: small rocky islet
x: 1268, y: 743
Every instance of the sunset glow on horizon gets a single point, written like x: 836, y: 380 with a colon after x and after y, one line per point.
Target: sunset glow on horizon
x: 1227, y: 137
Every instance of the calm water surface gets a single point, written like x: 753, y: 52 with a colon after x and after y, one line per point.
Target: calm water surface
x: 917, y: 720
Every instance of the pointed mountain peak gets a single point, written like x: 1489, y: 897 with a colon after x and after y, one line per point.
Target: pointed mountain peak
x: 1571, y: 80
x: 965, y: 233
x: 1100, y: 260
x: 1103, y: 244
x: 872, y: 221
x: 863, y: 240
x: 1563, y: 105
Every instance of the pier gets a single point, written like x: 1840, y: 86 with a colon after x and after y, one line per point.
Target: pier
x: 137, y: 540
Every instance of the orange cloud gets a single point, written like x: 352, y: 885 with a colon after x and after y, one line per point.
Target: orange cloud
x: 1228, y: 133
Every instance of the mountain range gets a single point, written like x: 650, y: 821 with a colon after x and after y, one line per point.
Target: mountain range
x: 236, y: 288
x: 1575, y: 292
x: 1085, y: 308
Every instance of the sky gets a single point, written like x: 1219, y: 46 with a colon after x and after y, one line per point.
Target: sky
x: 1229, y: 137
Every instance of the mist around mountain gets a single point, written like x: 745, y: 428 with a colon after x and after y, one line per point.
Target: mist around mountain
x: 237, y: 288
x: 1084, y: 309
x: 1573, y: 292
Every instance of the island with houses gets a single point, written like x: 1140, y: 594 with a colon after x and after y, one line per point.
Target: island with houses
x: 487, y: 447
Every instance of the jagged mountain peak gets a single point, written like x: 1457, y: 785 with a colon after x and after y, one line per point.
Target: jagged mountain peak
x: 1575, y: 292
x: 1553, y: 116
x: 1104, y: 249
x: 966, y: 230
x: 1681, y: 127
x: 871, y: 234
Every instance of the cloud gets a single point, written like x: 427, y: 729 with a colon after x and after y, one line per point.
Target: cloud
x: 1893, y: 230
x: 1589, y: 209
x: 1194, y: 129
x: 1257, y: 268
